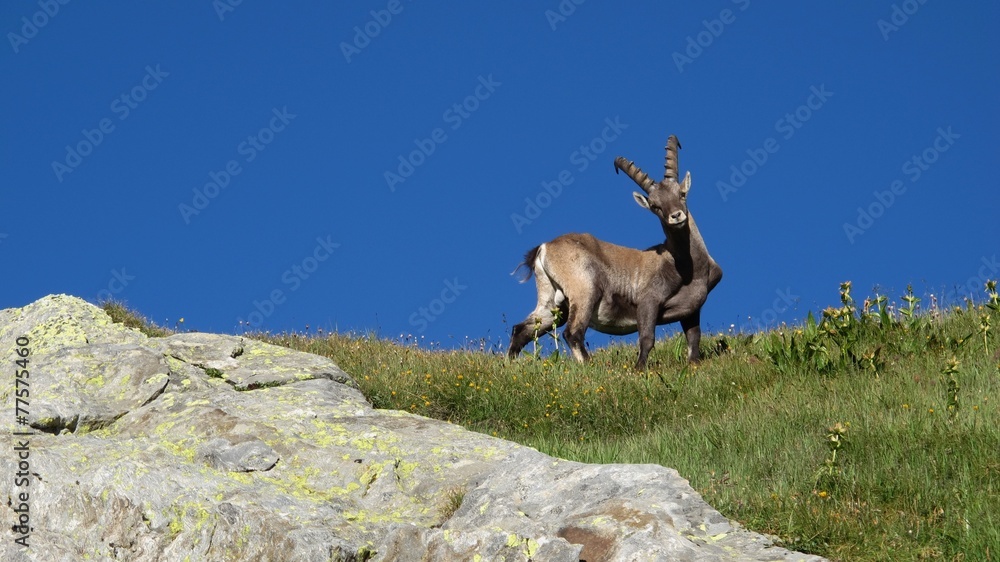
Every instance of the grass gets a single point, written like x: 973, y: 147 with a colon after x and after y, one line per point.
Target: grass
x: 870, y: 434
x: 121, y: 313
x: 451, y: 502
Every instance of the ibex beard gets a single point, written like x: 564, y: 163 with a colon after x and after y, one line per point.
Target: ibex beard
x: 586, y: 283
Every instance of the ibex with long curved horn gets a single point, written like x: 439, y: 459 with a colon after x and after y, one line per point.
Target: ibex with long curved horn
x: 618, y: 290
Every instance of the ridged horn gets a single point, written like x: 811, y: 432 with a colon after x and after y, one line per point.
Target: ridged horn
x: 637, y: 175
x: 670, y: 169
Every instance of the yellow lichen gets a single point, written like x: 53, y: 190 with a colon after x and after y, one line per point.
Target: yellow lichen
x: 176, y: 527
x: 241, y: 477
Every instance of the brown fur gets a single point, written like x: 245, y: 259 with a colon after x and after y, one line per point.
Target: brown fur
x: 619, y: 290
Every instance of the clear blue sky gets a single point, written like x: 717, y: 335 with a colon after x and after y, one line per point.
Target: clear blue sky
x: 375, y: 166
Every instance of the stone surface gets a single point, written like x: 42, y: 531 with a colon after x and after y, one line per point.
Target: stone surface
x: 213, y: 447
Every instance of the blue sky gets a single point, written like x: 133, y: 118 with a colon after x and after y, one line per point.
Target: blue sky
x: 383, y: 166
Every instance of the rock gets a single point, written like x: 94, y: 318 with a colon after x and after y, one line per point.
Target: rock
x: 249, y: 456
x: 213, y: 447
x: 248, y: 364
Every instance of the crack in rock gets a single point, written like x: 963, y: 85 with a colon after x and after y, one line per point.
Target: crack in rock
x: 166, y: 463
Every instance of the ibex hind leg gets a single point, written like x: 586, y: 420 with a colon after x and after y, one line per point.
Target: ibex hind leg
x: 540, y: 320
x: 576, y: 328
x: 535, y: 325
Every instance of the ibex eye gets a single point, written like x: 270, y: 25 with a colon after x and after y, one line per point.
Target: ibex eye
x: 586, y: 283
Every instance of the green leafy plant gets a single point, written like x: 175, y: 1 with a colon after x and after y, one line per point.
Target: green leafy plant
x: 984, y: 329
x: 836, y: 436
x: 911, y: 300
x: 536, y: 344
x: 876, y: 309
x: 798, y: 348
x: 991, y: 291
x: 556, y: 317
x: 896, y: 484
x: 992, y: 309
x: 950, y: 372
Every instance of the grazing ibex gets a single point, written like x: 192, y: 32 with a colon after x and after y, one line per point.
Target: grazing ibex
x: 618, y: 290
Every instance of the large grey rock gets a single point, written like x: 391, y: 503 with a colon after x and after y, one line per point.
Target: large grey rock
x: 210, y: 447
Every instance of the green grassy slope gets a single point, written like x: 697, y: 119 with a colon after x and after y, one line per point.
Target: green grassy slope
x: 869, y: 434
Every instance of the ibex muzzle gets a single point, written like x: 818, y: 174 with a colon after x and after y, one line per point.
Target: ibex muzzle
x: 618, y: 290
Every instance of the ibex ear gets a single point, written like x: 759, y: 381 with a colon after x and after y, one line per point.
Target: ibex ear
x: 641, y: 199
x: 686, y: 184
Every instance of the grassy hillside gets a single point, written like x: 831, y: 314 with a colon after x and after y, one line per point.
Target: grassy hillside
x: 869, y: 433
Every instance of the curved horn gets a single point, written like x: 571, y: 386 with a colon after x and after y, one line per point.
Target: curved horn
x: 637, y: 175
x: 670, y: 171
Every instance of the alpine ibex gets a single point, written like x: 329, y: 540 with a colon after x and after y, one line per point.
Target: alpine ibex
x: 618, y: 290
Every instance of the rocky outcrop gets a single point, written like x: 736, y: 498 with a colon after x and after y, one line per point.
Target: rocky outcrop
x: 213, y: 447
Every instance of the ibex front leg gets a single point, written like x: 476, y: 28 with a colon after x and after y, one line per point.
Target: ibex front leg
x: 692, y: 331
x: 646, y: 320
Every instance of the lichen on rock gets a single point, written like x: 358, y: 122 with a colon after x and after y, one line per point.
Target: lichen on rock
x: 214, y: 447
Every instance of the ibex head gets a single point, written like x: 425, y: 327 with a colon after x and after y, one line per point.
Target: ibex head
x: 666, y: 199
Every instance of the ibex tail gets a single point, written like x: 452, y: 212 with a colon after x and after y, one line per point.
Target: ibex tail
x: 529, y: 262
